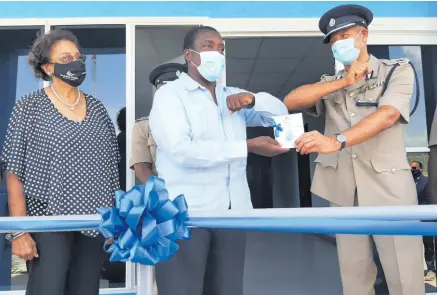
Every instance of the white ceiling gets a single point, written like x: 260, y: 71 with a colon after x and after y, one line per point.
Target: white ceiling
x: 276, y: 65
x: 154, y: 46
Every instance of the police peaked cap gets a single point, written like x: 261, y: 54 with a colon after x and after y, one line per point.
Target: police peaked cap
x: 342, y: 17
x: 166, y: 73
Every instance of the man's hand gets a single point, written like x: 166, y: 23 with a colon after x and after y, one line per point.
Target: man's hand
x: 24, y: 247
x: 315, y: 142
x: 357, y: 71
x: 265, y: 146
x: 236, y: 102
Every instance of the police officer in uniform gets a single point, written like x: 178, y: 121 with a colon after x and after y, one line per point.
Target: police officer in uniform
x: 143, y: 146
x: 362, y: 159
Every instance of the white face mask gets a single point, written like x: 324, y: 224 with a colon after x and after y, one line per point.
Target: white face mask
x: 212, y: 65
x: 345, y: 52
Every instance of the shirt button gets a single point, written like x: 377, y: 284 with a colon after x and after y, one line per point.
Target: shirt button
x: 352, y: 114
x: 393, y: 170
x: 354, y: 156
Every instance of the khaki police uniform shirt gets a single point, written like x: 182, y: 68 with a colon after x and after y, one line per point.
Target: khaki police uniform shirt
x: 432, y: 138
x: 143, y: 146
x: 378, y: 168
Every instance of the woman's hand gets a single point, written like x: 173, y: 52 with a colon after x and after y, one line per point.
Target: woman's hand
x: 24, y: 247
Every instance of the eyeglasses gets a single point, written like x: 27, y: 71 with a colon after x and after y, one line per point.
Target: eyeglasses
x: 66, y: 59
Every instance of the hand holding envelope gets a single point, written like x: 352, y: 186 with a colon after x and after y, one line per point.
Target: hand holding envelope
x: 288, y: 128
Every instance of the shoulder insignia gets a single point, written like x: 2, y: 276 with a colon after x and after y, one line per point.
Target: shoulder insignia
x: 142, y: 119
x: 391, y: 62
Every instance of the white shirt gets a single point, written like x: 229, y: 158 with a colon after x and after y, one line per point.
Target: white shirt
x: 201, y: 148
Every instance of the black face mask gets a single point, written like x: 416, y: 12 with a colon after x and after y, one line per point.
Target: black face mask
x: 415, y: 173
x: 73, y: 73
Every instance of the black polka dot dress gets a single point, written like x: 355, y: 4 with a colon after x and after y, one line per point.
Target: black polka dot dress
x: 67, y: 167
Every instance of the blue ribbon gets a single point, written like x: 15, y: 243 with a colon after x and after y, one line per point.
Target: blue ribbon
x: 145, y: 224
x: 277, y: 129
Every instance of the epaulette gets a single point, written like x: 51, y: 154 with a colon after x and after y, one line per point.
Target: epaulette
x: 391, y: 62
x: 142, y: 119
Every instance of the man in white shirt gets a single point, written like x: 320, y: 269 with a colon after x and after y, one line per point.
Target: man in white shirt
x: 200, y: 130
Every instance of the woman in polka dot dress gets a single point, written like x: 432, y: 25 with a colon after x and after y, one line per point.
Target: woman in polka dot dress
x: 61, y: 157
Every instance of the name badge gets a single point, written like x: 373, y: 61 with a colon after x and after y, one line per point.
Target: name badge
x: 365, y: 103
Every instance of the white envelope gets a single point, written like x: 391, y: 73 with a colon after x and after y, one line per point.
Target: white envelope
x: 292, y: 127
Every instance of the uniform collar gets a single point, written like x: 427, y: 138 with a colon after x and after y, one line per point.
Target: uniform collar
x: 191, y: 84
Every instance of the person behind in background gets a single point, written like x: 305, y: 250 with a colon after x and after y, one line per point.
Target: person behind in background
x: 362, y: 155
x: 143, y: 146
x: 61, y: 159
x: 421, y: 183
x: 199, y: 126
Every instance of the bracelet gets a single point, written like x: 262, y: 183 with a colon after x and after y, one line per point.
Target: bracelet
x: 13, y: 236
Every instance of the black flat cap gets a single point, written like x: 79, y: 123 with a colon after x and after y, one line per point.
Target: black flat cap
x: 342, y: 17
x: 166, y: 73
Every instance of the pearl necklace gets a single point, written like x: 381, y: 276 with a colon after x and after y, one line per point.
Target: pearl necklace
x: 72, y: 106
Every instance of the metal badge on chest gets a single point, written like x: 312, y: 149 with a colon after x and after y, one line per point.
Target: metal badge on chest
x: 370, y: 84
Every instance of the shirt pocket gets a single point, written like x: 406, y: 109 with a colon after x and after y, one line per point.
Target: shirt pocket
x: 392, y: 167
x: 328, y: 160
x: 198, y: 120
x: 336, y: 98
x: 372, y: 96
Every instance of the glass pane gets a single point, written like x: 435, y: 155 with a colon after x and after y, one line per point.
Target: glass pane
x: 106, y: 81
x: 16, y: 80
x: 415, y: 131
x: 26, y: 80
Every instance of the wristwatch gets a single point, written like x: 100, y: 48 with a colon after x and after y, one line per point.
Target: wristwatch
x: 341, y: 139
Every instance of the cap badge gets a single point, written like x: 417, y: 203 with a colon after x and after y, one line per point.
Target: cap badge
x: 332, y: 22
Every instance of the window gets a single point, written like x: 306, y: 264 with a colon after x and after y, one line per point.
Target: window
x: 16, y: 79
x: 106, y: 72
x: 415, y: 131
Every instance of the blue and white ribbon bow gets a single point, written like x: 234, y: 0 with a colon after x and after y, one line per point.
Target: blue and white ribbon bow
x: 145, y: 224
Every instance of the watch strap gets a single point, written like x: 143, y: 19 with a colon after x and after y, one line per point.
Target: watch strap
x: 342, y: 142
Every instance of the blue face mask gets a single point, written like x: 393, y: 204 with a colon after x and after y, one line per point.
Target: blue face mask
x: 345, y: 52
x: 212, y: 65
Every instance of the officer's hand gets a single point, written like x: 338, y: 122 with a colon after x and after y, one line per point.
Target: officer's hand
x: 236, y: 102
x: 265, y: 146
x: 24, y: 247
x: 358, y: 70
x: 315, y: 142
